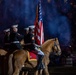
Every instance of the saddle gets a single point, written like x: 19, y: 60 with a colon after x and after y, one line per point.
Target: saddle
x: 32, y: 56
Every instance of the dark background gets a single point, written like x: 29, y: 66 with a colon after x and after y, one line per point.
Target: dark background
x: 59, y: 18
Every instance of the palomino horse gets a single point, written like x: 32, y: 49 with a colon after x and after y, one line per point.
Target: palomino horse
x: 3, y: 54
x: 21, y: 57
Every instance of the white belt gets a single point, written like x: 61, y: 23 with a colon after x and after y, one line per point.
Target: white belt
x: 15, y: 42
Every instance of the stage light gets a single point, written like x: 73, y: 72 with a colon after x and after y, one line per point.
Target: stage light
x: 49, y: 1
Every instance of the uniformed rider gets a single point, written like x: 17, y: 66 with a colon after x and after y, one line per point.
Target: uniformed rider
x: 15, y: 38
x: 26, y: 31
x: 34, y: 46
x: 6, y: 39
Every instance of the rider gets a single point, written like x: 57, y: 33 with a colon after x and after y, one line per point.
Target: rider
x: 7, y: 39
x: 15, y: 38
x: 26, y: 31
x: 33, y: 46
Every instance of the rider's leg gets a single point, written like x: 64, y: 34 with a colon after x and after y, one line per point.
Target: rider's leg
x: 40, y: 57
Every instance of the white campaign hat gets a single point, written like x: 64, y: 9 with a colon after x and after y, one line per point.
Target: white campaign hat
x: 15, y: 25
x: 32, y: 26
x: 26, y: 29
x: 7, y: 30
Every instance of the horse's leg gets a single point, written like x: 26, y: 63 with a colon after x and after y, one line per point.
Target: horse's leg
x: 36, y: 72
x: 17, y: 66
x: 46, y: 72
x: 26, y: 73
x: 10, y: 68
x: 23, y: 73
x: 41, y: 72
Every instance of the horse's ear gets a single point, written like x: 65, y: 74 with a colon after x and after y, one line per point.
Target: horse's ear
x: 56, y: 39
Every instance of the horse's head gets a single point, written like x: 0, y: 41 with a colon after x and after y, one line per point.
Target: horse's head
x: 56, y: 47
x: 51, y: 46
x: 2, y: 52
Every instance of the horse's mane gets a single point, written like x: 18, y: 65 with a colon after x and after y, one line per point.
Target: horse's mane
x: 46, y: 44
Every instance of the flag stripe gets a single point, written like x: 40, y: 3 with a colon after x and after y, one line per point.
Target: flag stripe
x: 39, y: 33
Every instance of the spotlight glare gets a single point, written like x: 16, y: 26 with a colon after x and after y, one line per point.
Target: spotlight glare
x: 49, y: 1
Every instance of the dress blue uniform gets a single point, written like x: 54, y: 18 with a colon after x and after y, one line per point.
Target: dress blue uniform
x: 15, y: 38
x: 33, y: 46
x: 7, y: 39
x: 26, y: 35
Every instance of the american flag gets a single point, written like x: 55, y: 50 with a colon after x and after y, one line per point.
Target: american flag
x: 39, y: 33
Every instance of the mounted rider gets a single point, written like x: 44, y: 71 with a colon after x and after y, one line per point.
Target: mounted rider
x: 6, y: 39
x: 26, y: 31
x: 35, y: 47
x: 15, y: 38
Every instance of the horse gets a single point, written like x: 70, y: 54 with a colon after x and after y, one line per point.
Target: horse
x: 20, y: 58
x: 3, y: 54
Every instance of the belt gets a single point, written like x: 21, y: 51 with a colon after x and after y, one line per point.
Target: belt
x: 15, y: 42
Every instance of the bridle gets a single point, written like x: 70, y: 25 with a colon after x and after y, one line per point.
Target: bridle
x: 56, y: 45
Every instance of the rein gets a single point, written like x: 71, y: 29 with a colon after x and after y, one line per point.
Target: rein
x: 56, y: 45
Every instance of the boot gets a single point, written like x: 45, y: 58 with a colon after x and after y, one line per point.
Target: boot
x: 40, y: 65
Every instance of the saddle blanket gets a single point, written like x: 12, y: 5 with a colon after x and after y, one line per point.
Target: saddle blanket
x: 32, y: 56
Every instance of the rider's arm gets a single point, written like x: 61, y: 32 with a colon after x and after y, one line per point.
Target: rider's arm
x: 37, y: 45
x: 19, y: 36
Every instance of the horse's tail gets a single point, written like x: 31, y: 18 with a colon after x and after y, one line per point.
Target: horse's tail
x: 10, y: 66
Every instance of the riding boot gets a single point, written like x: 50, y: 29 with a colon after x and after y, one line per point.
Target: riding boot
x: 40, y: 65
